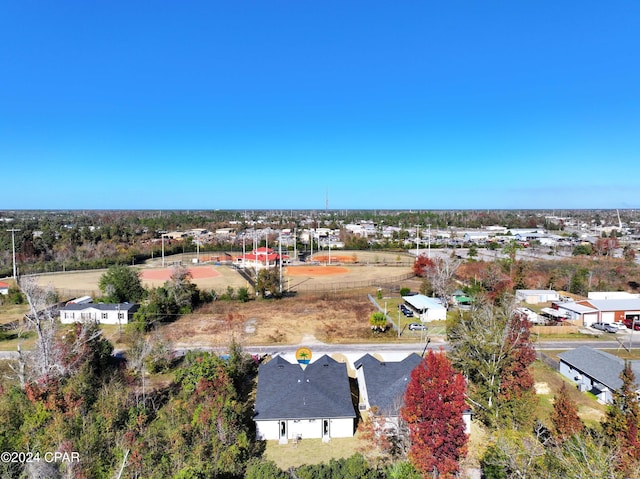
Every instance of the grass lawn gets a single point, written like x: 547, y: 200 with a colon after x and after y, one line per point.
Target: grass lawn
x: 10, y: 339
x: 548, y: 382
x: 12, y: 312
x: 311, y: 451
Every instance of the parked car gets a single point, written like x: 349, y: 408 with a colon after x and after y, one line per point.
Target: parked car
x: 629, y: 323
x: 607, y: 327
x: 417, y: 327
x: 620, y: 326
x: 406, y: 311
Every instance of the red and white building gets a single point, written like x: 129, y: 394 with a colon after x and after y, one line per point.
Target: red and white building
x: 587, y: 312
x: 261, y: 258
x: 4, y: 288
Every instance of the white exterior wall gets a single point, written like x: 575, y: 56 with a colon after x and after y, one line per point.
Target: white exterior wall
x: 91, y: 314
x: 589, y: 318
x: 363, y: 399
x: 304, y: 428
x: 267, y: 430
x: 586, y: 383
x: 342, y: 427
x: 612, y: 295
x: 434, y: 314
x: 608, y: 316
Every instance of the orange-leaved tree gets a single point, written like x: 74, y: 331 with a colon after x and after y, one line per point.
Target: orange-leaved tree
x: 564, y: 418
x: 434, y: 403
x: 422, y: 266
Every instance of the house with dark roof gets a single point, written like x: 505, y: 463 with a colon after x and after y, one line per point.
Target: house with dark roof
x: 382, y: 384
x: 381, y: 387
x: 295, y: 401
x: 595, y: 371
x: 119, y: 313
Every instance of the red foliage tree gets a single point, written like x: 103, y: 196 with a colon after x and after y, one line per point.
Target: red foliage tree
x: 422, y: 266
x: 517, y: 394
x: 621, y: 423
x: 564, y: 418
x: 433, y: 405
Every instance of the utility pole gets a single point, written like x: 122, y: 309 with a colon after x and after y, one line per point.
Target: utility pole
x: 280, y: 259
x: 13, y: 243
x: 163, y: 250
x: 429, y: 247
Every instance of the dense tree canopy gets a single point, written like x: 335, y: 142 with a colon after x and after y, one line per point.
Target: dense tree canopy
x: 122, y: 284
x: 434, y: 402
x: 491, y: 348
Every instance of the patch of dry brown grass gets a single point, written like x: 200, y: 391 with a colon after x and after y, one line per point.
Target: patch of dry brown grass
x: 284, y: 321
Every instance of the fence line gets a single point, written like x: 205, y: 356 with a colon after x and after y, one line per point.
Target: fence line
x: 548, y: 360
x: 348, y: 285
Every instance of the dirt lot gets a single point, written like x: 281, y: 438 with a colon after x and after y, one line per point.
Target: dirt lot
x: 331, y: 316
x: 284, y: 321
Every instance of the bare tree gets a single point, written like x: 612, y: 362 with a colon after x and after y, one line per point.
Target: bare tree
x: 482, y: 346
x: 583, y: 457
x: 180, y: 286
x: 441, y: 277
x: 46, y: 359
x: 43, y: 360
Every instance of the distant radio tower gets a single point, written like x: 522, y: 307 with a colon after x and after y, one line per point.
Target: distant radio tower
x: 326, y: 202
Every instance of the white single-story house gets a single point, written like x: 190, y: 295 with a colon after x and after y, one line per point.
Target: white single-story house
x: 4, y: 288
x: 535, y: 296
x: 102, y: 313
x: 595, y: 371
x: 427, y: 309
x: 295, y: 401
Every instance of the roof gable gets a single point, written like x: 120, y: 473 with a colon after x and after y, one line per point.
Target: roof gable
x: 386, y: 382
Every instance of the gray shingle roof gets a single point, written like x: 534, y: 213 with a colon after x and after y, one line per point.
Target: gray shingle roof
x: 287, y: 391
x: 386, y: 382
x: 605, y: 368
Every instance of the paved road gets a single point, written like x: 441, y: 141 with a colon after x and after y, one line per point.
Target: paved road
x: 418, y: 346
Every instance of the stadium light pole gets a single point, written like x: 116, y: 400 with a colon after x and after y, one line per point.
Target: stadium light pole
x: 429, y: 243
x: 13, y: 244
x: 163, y: 250
x: 417, y: 241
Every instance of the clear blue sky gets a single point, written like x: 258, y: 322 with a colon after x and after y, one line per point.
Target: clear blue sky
x: 270, y: 104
